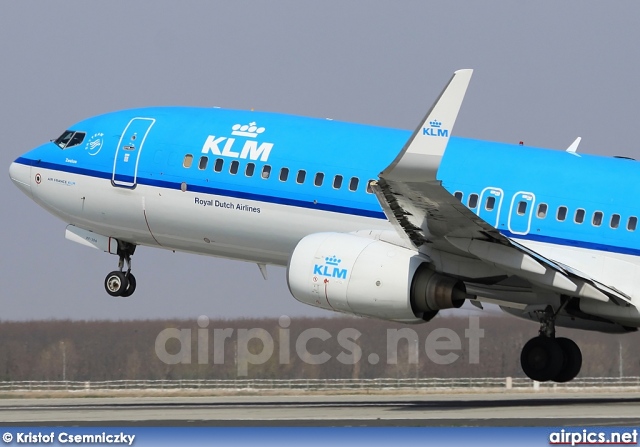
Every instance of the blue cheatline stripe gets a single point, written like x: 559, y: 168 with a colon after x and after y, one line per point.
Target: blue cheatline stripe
x: 207, y: 190
x: 573, y: 243
x: 311, y: 205
x: 63, y: 168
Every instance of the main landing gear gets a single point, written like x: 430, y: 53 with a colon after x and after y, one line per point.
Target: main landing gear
x: 546, y: 357
x: 119, y: 282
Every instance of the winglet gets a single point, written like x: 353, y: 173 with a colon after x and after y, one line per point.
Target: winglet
x: 420, y: 158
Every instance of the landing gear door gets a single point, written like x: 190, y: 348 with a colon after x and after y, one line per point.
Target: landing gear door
x: 127, y: 157
x: 490, y: 204
x: 520, y: 212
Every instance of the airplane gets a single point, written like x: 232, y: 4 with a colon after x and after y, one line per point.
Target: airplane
x: 368, y: 221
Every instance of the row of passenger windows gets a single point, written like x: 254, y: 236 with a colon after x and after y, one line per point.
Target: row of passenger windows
x: 562, y: 212
x: 265, y: 173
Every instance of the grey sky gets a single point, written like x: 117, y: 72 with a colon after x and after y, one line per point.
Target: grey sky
x: 546, y: 72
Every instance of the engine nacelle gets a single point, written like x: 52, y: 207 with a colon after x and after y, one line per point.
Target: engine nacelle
x: 362, y: 276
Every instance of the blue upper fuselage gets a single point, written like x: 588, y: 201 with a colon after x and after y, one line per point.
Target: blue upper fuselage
x: 520, y: 190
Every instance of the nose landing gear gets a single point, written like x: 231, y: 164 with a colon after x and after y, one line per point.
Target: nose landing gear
x: 120, y: 283
x: 546, y: 357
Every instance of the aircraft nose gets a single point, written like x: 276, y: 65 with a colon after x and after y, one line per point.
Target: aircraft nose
x: 21, y: 175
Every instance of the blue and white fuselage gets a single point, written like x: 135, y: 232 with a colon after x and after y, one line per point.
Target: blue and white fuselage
x: 137, y: 194
x: 176, y: 188
x: 251, y: 185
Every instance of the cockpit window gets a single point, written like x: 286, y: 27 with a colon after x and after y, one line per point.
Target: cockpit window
x: 64, y: 139
x: 69, y: 139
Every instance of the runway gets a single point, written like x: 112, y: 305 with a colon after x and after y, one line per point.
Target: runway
x: 475, y: 410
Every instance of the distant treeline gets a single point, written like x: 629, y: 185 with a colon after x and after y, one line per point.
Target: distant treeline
x: 301, y: 348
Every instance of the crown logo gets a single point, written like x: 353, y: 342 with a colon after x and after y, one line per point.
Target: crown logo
x: 435, y: 123
x: 332, y: 260
x: 250, y: 130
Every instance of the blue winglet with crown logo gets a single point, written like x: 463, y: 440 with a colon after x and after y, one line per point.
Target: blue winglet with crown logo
x: 420, y: 158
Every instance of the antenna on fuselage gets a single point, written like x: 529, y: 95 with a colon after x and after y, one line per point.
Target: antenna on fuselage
x: 574, y: 146
x: 263, y: 270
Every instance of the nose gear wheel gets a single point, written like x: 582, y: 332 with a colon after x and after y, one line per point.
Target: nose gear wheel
x: 121, y: 283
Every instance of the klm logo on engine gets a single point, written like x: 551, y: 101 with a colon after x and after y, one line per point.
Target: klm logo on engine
x: 434, y: 129
x: 330, y: 268
x: 229, y: 147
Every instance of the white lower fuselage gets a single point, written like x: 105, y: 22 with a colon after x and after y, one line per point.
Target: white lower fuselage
x: 187, y: 221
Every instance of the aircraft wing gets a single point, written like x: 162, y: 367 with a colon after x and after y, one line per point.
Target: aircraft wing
x: 427, y: 215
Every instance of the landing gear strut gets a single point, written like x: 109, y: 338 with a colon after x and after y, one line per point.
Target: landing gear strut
x: 546, y: 357
x: 120, y: 282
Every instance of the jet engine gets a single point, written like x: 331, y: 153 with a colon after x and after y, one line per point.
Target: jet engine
x: 369, y: 277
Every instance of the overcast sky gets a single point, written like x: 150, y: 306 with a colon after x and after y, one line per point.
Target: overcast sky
x: 546, y: 72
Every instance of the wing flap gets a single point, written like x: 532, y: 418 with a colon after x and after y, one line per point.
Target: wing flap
x: 425, y: 214
x: 499, y: 255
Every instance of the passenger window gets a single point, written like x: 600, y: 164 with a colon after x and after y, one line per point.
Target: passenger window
x: 562, y: 213
x: 522, y: 208
x: 284, y: 174
x: 266, y: 171
x: 188, y: 161
x: 218, y: 165
x: 353, y: 183
x: 597, y: 219
x: 458, y: 195
x: 615, y: 221
x: 579, y: 217
x: 319, y: 179
x: 542, y: 210
x: 302, y: 174
x: 490, y: 203
x: 250, y: 169
x: 473, y: 200
x: 370, y: 186
x: 337, y: 182
x: 202, y: 164
x: 632, y: 223
x: 233, y: 168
